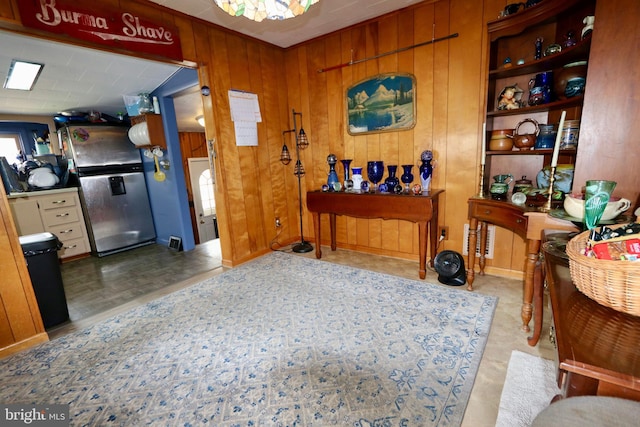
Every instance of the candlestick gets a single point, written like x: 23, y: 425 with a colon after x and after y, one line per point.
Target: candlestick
x: 547, y: 206
x: 481, y: 186
x: 484, y: 143
x: 556, y: 147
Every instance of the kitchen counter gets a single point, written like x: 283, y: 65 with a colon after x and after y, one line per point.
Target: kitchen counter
x: 42, y: 192
x: 57, y: 211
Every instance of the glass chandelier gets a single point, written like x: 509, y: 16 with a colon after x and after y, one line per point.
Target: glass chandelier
x: 257, y: 10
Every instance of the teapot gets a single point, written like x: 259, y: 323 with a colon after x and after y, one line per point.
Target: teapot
x: 500, y: 187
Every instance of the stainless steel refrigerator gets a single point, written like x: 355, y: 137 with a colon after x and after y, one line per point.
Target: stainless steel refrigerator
x: 113, y: 191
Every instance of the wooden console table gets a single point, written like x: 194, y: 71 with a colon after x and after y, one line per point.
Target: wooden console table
x: 422, y: 210
x: 526, y: 222
x: 598, y: 348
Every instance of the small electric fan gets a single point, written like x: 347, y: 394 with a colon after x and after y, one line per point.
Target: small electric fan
x: 450, y: 268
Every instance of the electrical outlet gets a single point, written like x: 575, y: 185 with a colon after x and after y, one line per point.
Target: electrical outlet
x: 278, y: 223
x: 443, y: 232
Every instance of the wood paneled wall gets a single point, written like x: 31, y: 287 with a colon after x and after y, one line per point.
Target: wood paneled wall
x: 448, y: 87
x: 254, y: 187
x: 20, y: 322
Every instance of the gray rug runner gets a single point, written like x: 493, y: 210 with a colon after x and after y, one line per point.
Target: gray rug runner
x: 281, y: 340
x: 528, y: 389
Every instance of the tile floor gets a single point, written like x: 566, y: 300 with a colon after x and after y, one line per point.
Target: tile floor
x: 96, y: 289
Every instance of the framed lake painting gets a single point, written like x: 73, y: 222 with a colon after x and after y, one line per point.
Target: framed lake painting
x: 381, y: 104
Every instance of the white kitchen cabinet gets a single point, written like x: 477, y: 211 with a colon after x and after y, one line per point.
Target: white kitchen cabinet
x: 56, y: 211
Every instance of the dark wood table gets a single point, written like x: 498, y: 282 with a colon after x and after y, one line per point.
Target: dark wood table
x: 598, y: 348
x: 421, y: 209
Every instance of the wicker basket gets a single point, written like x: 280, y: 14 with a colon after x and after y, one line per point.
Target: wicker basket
x: 614, y: 284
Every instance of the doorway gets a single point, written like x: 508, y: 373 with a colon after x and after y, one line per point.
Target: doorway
x: 204, y: 204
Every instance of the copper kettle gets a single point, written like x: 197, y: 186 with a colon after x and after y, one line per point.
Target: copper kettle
x: 525, y: 140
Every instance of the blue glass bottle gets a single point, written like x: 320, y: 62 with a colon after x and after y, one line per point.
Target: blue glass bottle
x: 333, y: 176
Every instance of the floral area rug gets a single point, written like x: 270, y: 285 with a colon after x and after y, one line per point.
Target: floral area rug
x: 281, y: 340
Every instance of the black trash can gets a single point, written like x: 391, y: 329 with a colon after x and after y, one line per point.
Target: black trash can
x: 41, y: 253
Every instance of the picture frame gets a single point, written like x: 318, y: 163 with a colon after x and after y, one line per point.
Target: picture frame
x: 383, y: 103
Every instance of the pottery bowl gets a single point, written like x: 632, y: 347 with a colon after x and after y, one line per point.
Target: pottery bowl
x: 500, y: 141
x: 574, y: 206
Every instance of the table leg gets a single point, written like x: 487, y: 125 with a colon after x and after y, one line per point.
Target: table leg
x: 433, y: 230
x: 332, y: 223
x: 533, y: 248
x: 538, y: 296
x: 473, y: 241
x: 422, y: 243
x: 316, y: 227
x: 483, y: 247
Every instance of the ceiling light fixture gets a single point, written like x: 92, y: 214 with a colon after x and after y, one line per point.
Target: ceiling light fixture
x: 257, y: 10
x: 200, y: 120
x: 22, y: 75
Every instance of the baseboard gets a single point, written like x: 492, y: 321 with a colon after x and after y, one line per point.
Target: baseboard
x: 24, y: 344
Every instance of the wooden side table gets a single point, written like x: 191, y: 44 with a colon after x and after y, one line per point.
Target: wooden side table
x: 527, y: 223
x: 422, y: 209
x: 598, y: 348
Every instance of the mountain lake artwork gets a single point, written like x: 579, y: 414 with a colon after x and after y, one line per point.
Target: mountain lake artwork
x: 382, y: 103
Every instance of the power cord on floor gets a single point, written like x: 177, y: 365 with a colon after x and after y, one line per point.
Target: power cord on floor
x: 440, y: 239
x: 276, y: 246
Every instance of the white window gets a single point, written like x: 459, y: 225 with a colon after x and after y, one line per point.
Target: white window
x: 206, y: 193
x: 10, y: 147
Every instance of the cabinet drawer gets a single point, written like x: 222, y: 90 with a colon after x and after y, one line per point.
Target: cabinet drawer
x: 53, y: 217
x: 502, y: 216
x: 56, y: 201
x: 73, y: 247
x: 70, y: 231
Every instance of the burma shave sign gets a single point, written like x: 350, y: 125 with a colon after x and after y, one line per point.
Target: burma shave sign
x: 117, y: 28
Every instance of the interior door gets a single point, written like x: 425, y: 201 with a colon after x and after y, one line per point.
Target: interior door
x: 202, y: 185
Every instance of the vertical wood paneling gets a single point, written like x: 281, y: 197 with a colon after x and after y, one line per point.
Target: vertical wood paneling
x: 610, y: 127
x: 407, y: 232
x: 354, y: 47
x: 254, y: 186
x: 271, y: 86
x: 20, y: 317
x: 294, y: 64
x: 7, y: 11
x: 389, y: 147
x: 231, y: 168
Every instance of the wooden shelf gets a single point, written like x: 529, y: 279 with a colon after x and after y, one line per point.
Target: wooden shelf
x: 576, y: 101
x: 544, y: 152
x: 517, y: 23
x: 155, y: 127
x: 579, y: 52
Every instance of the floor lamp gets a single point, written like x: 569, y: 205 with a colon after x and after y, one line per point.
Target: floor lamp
x: 285, y: 157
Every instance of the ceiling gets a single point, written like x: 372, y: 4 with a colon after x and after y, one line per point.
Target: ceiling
x: 80, y: 79
x: 322, y: 18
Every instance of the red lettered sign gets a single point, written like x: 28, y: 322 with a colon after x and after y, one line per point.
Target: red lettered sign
x: 110, y: 27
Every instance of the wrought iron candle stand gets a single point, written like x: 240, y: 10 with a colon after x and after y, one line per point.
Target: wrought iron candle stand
x: 302, y: 142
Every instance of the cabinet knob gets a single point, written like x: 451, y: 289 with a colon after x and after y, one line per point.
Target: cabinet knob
x: 487, y: 211
x: 58, y: 202
x: 62, y: 215
x: 519, y: 220
x: 66, y: 231
x: 71, y: 247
